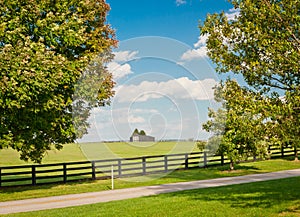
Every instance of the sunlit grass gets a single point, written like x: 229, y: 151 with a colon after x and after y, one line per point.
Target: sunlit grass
x: 269, y: 198
x: 16, y: 193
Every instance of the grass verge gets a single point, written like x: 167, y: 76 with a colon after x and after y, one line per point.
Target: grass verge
x: 269, y: 198
x: 17, y: 193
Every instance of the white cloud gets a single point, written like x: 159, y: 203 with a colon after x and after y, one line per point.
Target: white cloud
x: 122, y: 115
x: 233, y: 14
x: 194, y: 54
x: 180, y: 2
x: 136, y: 119
x: 181, y: 88
x: 148, y: 111
x: 199, y: 51
x: 201, y: 41
x: 120, y: 67
x: 124, y: 56
x: 119, y: 71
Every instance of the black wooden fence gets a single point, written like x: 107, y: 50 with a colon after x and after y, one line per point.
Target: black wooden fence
x: 102, y: 169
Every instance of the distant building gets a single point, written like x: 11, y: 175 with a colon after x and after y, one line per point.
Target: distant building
x: 141, y: 138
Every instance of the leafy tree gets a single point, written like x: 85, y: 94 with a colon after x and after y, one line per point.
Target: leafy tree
x: 136, y: 132
x: 238, y: 126
x: 201, y: 144
x: 285, y: 122
x: 143, y: 133
x: 262, y: 44
x: 45, y: 47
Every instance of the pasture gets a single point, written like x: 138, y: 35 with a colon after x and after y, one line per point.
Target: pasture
x: 96, y: 161
x: 99, y: 151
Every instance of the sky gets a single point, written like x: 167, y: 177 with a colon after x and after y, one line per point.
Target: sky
x: 164, y: 79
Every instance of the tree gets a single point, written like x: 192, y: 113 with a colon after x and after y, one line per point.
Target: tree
x: 136, y: 132
x: 238, y: 126
x: 201, y: 144
x: 262, y: 44
x: 45, y: 47
x: 285, y: 122
x: 143, y: 133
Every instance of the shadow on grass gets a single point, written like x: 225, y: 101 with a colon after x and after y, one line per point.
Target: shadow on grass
x: 45, y: 186
x: 212, y: 172
x: 293, y: 210
x: 287, y: 158
x: 266, y: 194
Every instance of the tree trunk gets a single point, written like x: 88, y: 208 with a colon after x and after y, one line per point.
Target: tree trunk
x: 231, y: 165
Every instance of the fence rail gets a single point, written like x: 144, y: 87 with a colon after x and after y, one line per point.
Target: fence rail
x: 101, y: 169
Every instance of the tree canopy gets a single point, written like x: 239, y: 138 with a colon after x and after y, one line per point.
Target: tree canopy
x: 45, y: 47
x: 137, y: 132
x: 262, y: 44
x: 240, y: 126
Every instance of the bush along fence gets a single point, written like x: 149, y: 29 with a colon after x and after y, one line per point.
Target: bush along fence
x: 102, y: 169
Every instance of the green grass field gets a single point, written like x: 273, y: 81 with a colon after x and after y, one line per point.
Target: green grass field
x: 93, y: 151
x: 125, y: 150
x: 269, y: 198
x: 272, y: 198
x: 17, y: 193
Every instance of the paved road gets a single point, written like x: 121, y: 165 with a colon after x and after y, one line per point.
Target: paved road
x: 121, y: 194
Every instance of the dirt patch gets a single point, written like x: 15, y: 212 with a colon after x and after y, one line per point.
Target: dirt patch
x: 231, y: 171
x: 291, y: 211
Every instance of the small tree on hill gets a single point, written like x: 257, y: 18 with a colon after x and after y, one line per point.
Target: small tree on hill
x: 143, y: 133
x: 135, y: 132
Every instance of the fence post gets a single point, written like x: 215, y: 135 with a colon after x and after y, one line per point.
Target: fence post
x: 222, y: 159
x: 33, y: 175
x: 65, y: 172
x: 186, y: 162
x: 0, y: 177
x: 144, y: 165
x: 93, y: 170
x: 119, y: 167
x: 204, y: 159
x: 112, y: 177
x: 282, y: 151
x: 166, y: 163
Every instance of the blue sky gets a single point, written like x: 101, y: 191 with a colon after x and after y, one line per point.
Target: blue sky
x: 164, y: 79
x: 168, y: 18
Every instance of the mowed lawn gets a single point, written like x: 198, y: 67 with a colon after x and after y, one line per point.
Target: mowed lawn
x: 95, y: 151
x: 270, y: 198
x: 26, y: 192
